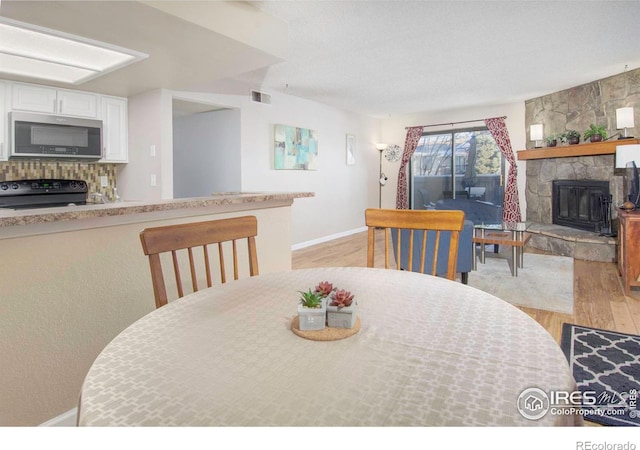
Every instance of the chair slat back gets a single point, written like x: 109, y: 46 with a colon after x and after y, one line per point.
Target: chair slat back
x: 189, y: 236
x: 420, y: 221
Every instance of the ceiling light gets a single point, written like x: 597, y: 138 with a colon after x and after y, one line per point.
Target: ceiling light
x: 32, y: 51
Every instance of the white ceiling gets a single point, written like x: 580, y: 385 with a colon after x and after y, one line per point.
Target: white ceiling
x: 374, y: 57
x: 392, y: 57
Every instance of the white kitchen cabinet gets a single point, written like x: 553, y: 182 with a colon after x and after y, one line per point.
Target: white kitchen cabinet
x: 45, y: 99
x: 81, y: 104
x: 27, y: 97
x: 4, y: 124
x: 114, y: 130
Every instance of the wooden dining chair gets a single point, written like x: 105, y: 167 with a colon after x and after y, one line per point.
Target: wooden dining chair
x: 184, y: 238
x: 429, y: 223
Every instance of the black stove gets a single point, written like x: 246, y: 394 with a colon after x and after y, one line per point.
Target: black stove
x: 42, y: 193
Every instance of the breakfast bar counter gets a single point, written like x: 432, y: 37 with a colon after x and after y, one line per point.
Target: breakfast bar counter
x: 70, y: 215
x: 76, y: 276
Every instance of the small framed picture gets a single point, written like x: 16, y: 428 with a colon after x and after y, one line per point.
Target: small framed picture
x: 351, y: 149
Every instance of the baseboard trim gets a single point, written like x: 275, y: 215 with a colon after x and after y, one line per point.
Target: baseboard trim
x: 67, y: 419
x: 327, y: 238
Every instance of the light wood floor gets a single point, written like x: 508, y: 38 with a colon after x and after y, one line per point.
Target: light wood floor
x: 598, y: 296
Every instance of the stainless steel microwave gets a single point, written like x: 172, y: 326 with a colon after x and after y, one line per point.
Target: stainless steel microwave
x: 55, y: 137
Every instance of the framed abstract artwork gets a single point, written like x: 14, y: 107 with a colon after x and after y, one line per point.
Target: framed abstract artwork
x: 351, y: 149
x: 295, y: 148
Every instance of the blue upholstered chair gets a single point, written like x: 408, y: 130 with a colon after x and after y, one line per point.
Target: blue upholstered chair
x: 474, y: 210
x: 465, y: 253
x: 478, y: 212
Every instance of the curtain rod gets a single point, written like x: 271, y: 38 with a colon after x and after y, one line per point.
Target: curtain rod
x: 453, y: 123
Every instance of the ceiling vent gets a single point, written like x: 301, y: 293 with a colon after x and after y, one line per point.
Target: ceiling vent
x: 261, y: 97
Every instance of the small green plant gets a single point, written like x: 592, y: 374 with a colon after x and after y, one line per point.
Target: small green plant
x: 552, y: 140
x: 311, y: 299
x: 596, y: 131
x: 569, y: 136
x: 573, y: 134
x: 341, y: 298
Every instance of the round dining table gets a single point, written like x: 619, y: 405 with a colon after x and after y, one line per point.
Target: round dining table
x: 429, y: 352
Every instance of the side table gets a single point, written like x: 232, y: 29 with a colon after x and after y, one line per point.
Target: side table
x: 511, y: 234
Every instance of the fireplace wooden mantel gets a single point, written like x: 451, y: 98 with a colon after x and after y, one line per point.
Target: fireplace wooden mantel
x: 589, y: 149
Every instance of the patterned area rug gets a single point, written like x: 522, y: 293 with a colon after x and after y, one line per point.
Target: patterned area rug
x: 606, y: 366
x: 545, y: 282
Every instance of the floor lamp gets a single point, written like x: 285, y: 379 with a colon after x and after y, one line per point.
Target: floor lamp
x: 383, y: 178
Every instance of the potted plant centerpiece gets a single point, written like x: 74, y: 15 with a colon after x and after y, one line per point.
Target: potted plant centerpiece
x: 341, y: 310
x: 596, y: 133
x: 312, y: 311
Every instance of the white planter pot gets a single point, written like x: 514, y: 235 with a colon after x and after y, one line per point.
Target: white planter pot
x: 312, y: 319
x: 341, y: 317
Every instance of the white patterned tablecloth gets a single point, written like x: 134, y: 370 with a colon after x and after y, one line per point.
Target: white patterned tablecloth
x: 431, y: 352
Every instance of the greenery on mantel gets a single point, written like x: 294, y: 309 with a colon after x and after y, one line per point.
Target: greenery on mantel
x: 586, y: 149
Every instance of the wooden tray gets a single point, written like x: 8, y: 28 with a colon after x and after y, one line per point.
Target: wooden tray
x: 328, y: 334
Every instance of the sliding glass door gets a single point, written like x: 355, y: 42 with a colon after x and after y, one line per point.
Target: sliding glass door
x: 457, y: 164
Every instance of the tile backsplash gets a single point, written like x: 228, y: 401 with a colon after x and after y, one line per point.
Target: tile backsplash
x: 35, y: 169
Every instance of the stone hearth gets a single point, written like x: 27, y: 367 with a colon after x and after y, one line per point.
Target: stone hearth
x: 579, y: 244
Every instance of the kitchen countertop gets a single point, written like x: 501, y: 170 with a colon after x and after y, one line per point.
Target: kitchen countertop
x: 11, y: 217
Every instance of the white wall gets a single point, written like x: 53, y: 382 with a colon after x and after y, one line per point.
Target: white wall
x: 393, y: 132
x: 342, y: 192
x: 206, y: 153
x: 150, y: 124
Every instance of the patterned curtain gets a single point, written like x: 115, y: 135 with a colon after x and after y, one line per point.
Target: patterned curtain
x: 411, y: 142
x: 511, y: 202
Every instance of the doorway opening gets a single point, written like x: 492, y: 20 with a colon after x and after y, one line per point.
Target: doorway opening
x: 206, y: 149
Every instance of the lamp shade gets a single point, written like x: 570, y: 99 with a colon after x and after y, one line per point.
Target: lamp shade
x: 624, y: 118
x: 626, y: 154
x: 380, y: 146
x: 535, y: 131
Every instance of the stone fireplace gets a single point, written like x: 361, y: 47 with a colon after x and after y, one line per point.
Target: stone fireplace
x: 558, y: 238
x: 542, y: 172
x: 576, y: 109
